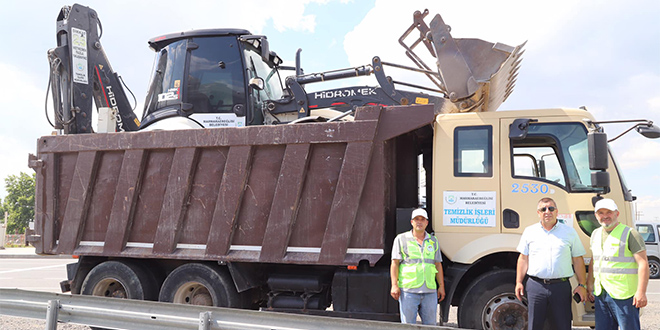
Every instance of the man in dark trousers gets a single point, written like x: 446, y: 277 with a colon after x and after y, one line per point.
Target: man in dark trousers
x: 548, y: 249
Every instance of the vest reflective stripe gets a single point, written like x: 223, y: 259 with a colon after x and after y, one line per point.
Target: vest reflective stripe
x: 418, y: 264
x: 617, y: 259
x: 418, y: 261
x: 615, y: 269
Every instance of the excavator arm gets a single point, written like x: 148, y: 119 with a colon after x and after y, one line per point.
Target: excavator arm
x: 80, y: 71
x: 471, y: 75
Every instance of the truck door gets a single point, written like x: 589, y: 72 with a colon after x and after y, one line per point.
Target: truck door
x: 550, y: 161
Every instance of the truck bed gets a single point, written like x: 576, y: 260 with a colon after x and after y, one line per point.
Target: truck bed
x: 314, y: 193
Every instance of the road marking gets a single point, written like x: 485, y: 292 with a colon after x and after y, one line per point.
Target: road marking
x: 29, y: 269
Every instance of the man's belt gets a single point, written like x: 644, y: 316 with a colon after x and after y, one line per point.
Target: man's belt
x: 548, y: 280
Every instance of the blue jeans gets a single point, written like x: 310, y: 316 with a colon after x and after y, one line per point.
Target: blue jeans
x: 612, y: 313
x: 424, y: 303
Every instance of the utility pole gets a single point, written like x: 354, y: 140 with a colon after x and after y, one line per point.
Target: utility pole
x: 3, y: 231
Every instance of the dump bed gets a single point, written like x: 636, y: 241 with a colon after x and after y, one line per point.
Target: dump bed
x: 314, y: 193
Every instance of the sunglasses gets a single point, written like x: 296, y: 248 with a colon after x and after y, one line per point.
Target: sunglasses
x: 549, y: 208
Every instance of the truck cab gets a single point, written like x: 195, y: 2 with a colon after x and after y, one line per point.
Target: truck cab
x: 489, y: 172
x: 649, y: 231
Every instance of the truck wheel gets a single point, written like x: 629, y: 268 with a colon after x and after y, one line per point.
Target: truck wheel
x: 490, y: 303
x: 117, y: 279
x: 654, y: 268
x: 200, y: 284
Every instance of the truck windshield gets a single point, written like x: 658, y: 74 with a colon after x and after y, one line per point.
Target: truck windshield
x: 555, y: 152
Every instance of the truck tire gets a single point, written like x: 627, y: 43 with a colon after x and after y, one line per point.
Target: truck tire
x: 118, y: 279
x: 200, y: 284
x: 654, y: 268
x: 490, y: 303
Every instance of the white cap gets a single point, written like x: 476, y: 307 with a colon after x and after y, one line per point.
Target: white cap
x: 418, y: 212
x: 606, y: 203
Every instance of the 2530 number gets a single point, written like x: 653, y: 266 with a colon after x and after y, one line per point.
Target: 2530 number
x: 530, y: 188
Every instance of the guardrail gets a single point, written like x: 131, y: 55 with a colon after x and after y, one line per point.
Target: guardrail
x: 146, y: 315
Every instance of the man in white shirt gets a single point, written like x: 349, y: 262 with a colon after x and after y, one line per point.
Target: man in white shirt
x: 548, y: 250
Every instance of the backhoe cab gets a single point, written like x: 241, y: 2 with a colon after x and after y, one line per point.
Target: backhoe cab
x: 199, y: 79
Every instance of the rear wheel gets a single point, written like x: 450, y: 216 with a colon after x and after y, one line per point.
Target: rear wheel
x: 489, y: 303
x: 117, y: 279
x: 654, y: 268
x: 201, y: 284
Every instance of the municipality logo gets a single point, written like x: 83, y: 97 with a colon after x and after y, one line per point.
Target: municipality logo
x: 451, y: 199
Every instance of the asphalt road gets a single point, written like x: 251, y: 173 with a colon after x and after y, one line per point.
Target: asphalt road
x: 35, y: 274
x: 45, y: 274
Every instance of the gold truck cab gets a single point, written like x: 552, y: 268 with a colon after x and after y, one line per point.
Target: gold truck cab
x: 490, y: 169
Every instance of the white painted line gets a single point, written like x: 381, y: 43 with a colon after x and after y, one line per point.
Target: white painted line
x: 29, y: 269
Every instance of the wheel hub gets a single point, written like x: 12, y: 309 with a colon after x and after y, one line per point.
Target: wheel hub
x: 110, y: 288
x: 193, y: 293
x: 505, y: 312
x: 653, y: 269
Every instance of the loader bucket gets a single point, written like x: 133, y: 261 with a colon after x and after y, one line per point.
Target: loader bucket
x: 475, y: 75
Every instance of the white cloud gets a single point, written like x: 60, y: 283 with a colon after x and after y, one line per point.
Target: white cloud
x: 648, y: 208
x: 510, y: 22
x: 654, y: 104
x: 20, y: 124
x: 644, y: 90
x: 639, y: 154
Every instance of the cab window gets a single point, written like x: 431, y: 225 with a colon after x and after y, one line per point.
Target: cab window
x: 256, y: 67
x: 556, y: 153
x: 647, y: 233
x: 473, y: 151
x: 215, y: 78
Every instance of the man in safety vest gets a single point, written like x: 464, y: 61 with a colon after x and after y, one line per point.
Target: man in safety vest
x: 416, y: 267
x: 619, y: 272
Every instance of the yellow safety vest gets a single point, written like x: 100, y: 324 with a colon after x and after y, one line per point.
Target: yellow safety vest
x: 615, y: 269
x: 418, y: 264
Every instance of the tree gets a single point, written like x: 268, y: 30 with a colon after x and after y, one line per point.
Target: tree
x: 19, y: 202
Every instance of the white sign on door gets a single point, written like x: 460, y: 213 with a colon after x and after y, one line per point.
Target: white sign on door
x: 469, y: 208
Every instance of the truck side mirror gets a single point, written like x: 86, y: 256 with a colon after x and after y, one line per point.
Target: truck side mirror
x: 601, y: 179
x: 649, y: 132
x: 257, y: 83
x: 597, y: 144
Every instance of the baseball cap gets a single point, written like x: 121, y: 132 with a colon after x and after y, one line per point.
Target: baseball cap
x: 605, y: 203
x: 418, y: 212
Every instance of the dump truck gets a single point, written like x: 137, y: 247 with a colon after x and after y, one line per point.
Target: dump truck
x: 298, y: 212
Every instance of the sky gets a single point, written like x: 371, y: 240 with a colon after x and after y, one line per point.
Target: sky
x: 604, y: 55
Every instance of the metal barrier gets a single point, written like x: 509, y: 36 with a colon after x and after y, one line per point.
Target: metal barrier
x: 147, y: 315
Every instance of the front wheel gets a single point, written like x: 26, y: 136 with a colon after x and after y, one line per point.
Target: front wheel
x: 490, y: 303
x: 654, y: 268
